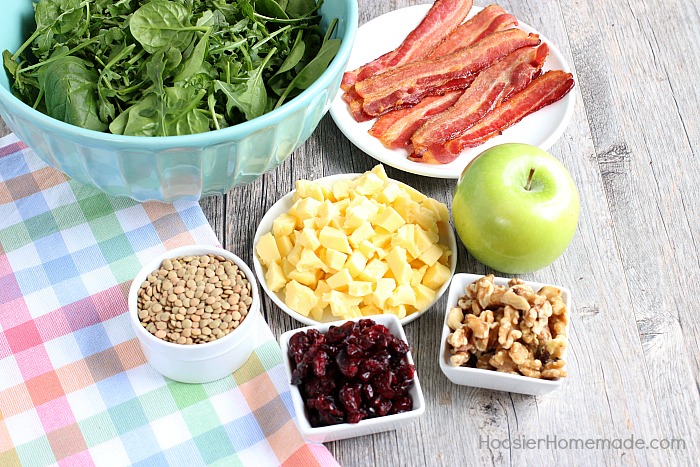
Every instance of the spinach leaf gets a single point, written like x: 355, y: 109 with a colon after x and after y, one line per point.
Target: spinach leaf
x: 70, y: 90
x: 300, y: 8
x: 270, y: 8
x: 313, y: 69
x: 161, y: 23
x: 249, y: 97
x: 195, y: 60
x: 295, y: 55
x: 184, y: 117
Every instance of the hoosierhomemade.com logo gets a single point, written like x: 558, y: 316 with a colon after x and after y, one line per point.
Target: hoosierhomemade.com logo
x: 556, y: 442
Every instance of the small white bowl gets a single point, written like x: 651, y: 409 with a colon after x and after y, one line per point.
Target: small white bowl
x: 447, y: 237
x: 490, y: 379
x: 199, y: 363
x: 364, y: 427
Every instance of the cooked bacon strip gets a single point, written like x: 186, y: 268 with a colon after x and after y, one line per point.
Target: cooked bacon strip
x: 443, y: 17
x: 408, y: 84
x: 395, y: 128
x: 489, y: 20
x: 542, y: 91
x: 491, y: 87
x: 395, y: 131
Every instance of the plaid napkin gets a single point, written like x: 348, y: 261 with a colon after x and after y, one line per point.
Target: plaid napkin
x: 74, y: 386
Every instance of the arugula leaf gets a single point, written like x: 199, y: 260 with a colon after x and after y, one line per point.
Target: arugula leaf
x: 70, y: 90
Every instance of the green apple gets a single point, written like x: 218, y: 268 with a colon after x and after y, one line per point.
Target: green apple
x: 515, y: 208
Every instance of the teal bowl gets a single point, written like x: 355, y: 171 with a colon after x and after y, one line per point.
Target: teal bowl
x: 170, y: 168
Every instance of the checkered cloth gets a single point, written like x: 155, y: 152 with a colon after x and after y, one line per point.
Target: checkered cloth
x: 74, y: 386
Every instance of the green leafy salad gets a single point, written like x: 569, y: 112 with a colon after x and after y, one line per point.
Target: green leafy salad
x: 168, y: 67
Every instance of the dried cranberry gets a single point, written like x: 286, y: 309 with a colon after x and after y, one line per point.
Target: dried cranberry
x: 356, y: 417
x: 346, y: 364
x: 368, y: 390
x: 319, y: 363
x: 319, y: 386
x: 335, y: 335
x: 351, y: 397
x: 402, y: 404
x: 398, y: 346
x: 381, y: 406
x: 354, y: 351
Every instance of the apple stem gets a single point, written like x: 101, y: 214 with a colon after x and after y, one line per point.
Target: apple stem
x: 529, y: 179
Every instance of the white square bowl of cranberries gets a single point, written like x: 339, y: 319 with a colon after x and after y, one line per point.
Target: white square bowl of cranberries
x: 351, y: 378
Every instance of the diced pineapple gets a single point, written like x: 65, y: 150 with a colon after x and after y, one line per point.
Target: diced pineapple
x: 389, y: 219
x: 326, y: 213
x: 341, y: 189
x: 407, y: 208
x: 328, y: 194
x: 368, y: 183
x: 415, y: 194
x: 431, y: 255
x: 360, y: 288
x: 400, y: 311
x: 436, y: 276
x: 424, y: 296
x: 399, y: 266
x: 424, y: 218
x: 367, y: 248
x: 299, y: 297
x: 275, y: 278
x: 308, y: 189
x: 359, y: 211
x: 339, y: 280
x: 333, y: 238
x: 287, y: 267
x: 403, y: 295
x: 309, y: 238
x: 283, y: 225
x: 385, y: 287
x: 356, y: 263
x: 267, y: 250
x: 305, y: 208
x: 421, y: 240
x: 373, y: 271
x: 284, y: 245
x: 335, y: 260
x: 316, y: 313
x: 446, y: 253
x: 295, y: 254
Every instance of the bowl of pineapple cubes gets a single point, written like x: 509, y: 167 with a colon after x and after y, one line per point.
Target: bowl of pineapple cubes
x: 354, y: 245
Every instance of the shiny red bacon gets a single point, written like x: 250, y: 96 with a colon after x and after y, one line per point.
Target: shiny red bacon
x: 491, y: 87
x: 408, y: 84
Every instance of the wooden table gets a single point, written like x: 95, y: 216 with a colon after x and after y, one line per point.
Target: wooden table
x: 632, y: 148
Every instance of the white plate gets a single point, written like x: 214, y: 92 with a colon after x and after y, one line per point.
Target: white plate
x: 447, y: 237
x: 383, y: 34
x: 490, y: 379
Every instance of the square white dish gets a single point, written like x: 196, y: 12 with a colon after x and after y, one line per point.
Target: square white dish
x: 364, y: 427
x: 490, y: 379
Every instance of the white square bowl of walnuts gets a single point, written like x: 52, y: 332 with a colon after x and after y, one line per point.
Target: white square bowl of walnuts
x: 505, y: 334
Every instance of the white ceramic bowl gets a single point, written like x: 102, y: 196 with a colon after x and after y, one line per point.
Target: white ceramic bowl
x: 364, y: 427
x: 447, y: 237
x: 490, y: 379
x: 199, y: 363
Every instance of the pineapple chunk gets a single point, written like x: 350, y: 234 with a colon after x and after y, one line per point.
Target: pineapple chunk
x: 367, y: 248
x: 299, y: 297
x: 369, y: 310
x: 379, y: 171
x: 360, y: 288
x: 339, y: 280
x: 389, y: 193
x: 418, y: 274
x: 326, y: 213
x: 295, y: 254
x: 308, y: 277
x: 284, y: 244
x: 335, y: 239
x: 308, y: 261
x: 421, y: 240
x: 305, y: 208
x: 267, y: 250
x: 399, y: 266
x: 389, y: 219
x: 359, y: 211
x: 342, y: 304
x: 436, y: 276
x: 440, y: 211
x: 308, y: 189
x: 407, y: 208
x: 287, y: 267
x: 275, y: 278
x: 414, y: 194
x: 283, y: 225
x: 400, y: 311
x: 341, y: 189
x: 316, y: 313
x: 404, y: 237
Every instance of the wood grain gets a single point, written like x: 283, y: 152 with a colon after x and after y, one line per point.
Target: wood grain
x: 632, y: 148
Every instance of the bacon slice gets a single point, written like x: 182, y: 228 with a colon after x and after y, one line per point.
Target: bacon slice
x: 395, y: 128
x: 489, y: 20
x: 441, y: 19
x: 542, y: 91
x: 408, y: 84
x: 491, y: 87
x: 395, y: 131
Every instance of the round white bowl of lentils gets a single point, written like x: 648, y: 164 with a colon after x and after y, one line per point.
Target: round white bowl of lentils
x: 194, y: 310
